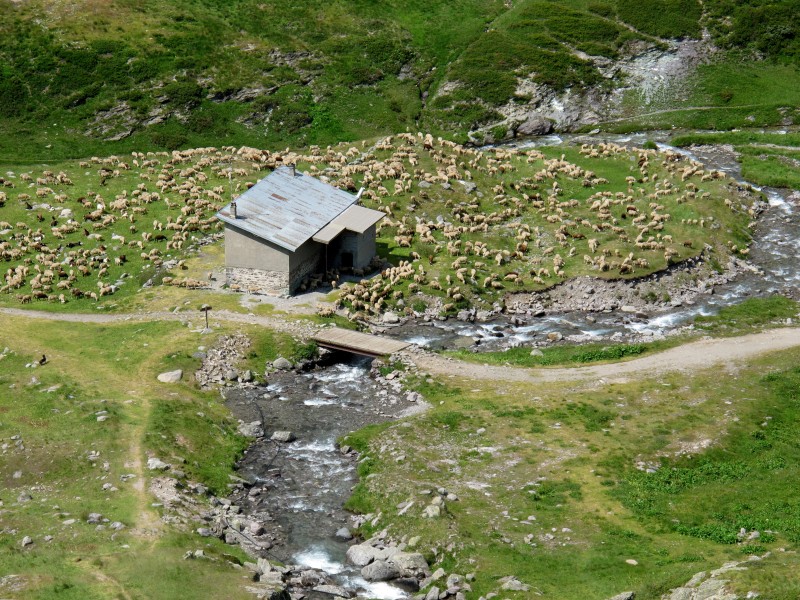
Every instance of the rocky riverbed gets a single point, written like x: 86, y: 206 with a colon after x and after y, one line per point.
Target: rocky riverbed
x: 286, y: 504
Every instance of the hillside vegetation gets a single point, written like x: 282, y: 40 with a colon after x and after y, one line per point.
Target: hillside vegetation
x: 163, y: 74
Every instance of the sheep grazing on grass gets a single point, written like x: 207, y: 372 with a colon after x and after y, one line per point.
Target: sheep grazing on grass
x: 535, y: 208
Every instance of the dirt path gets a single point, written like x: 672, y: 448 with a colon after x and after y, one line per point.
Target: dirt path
x: 693, y: 356
x: 688, y: 357
x: 298, y: 327
x: 147, y: 525
x: 676, y: 110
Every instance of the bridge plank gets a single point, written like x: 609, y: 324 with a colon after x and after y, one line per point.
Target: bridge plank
x: 358, y: 343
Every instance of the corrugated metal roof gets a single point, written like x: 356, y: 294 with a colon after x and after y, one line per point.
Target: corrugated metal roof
x: 287, y: 209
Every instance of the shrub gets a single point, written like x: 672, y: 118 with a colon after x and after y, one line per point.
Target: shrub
x: 183, y: 93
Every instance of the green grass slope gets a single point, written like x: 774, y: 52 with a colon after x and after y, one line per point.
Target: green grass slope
x: 79, y: 76
x: 771, y: 159
x: 76, y: 434
x: 562, y: 485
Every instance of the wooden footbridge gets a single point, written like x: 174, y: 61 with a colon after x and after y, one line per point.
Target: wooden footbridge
x: 364, y: 344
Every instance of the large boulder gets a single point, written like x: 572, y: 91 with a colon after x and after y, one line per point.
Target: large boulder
x: 380, y: 570
x: 332, y: 590
x: 433, y: 594
x: 281, y: 364
x: 410, y: 563
x: 535, y: 125
x: 171, y: 376
x: 252, y: 429
x: 283, y: 436
x: 361, y: 554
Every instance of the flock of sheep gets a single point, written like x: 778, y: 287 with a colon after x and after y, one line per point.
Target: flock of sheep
x: 467, y: 222
x: 533, y: 221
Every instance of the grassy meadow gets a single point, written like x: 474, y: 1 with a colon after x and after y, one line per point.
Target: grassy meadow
x: 582, y: 477
x: 76, y: 433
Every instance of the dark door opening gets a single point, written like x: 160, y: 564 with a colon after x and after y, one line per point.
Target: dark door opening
x: 347, y: 260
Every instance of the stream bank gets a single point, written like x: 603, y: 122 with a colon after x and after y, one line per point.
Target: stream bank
x: 294, y: 479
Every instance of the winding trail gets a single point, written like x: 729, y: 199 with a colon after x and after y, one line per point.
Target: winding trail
x: 693, y: 356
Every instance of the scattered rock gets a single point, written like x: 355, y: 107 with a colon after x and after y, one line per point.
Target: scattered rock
x: 171, y: 376
x: 343, y: 534
x: 361, y: 554
x: 390, y: 318
x: 410, y: 563
x: 433, y: 594
x: 26, y: 541
x: 283, y: 436
x: 155, y: 464
x: 251, y: 430
x: 332, y: 590
x: 380, y: 570
x: 512, y: 584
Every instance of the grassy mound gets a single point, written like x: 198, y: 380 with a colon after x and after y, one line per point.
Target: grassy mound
x: 464, y: 226
x: 470, y: 226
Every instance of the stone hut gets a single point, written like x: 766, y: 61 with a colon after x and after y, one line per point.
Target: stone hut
x: 291, y: 225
